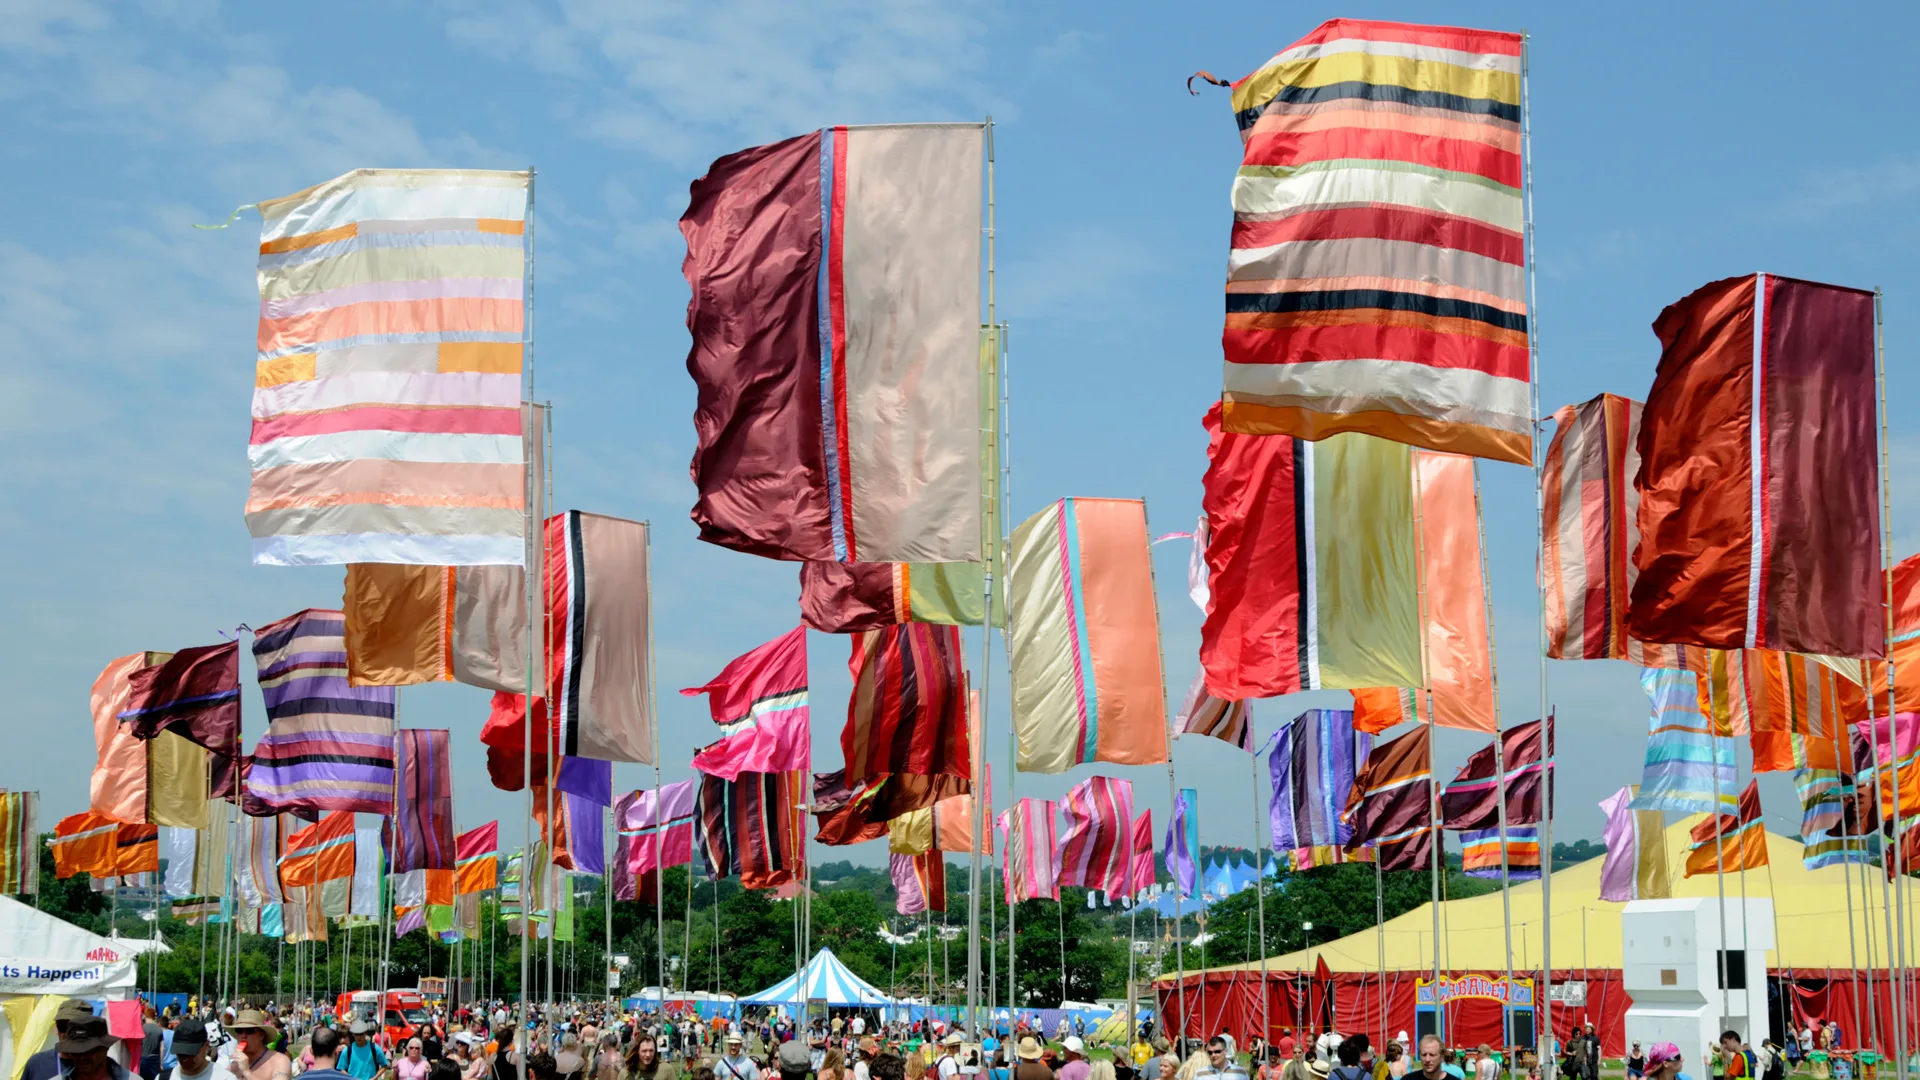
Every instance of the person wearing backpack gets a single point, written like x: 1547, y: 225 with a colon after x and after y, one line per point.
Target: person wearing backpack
x: 1351, y: 1052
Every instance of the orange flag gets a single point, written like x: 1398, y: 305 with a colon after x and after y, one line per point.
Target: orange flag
x: 1741, y: 842
x: 84, y: 844
x: 320, y: 852
x: 136, y: 849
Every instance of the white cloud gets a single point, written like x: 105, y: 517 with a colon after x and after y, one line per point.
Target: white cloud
x: 1831, y: 191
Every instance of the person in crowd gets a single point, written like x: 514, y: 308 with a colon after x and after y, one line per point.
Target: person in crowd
x: 541, y: 1065
x: 433, y: 1043
x: 413, y: 1064
x: 1740, y: 1063
x: 835, y: 1066
x: 192, y: 1055
x: 570, y: 1061
x: 325, y: 1047
x: 1431, y: 1054
x: 1030, y: 1067
x: 1392, y: 1063
x: 916, y: 1066
x: 644, y: 1061
x: 45, y: 1065
x: 1663, y: 1062
x: 1351, y: 1055
x: 1449, y: 1064
x: 1636, y: 1062
x: 252, y: 1060
x: 734, y: 1064
x: 443, y: 1069
x: 362, y: 1057
x: 1076, y: 1066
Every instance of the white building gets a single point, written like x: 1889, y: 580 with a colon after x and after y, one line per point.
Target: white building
x: 1671, y: 966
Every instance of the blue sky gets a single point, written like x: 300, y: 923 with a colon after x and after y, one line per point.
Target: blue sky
x: 1674, y: 145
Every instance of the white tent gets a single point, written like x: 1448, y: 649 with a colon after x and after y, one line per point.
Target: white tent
x: 825, y: 980
x: 41, y: 954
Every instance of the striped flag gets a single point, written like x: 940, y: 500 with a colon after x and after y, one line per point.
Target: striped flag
x: 1096, y: 847
x: 1472, y: 800
x: 329, y: 745
x: 1776, y: 697
x: 84, y: 843
x: 1826, y: 849
x: 1388, y: 807
x: 19, y: 843
x: 1027, y: 832
x: 407, y: 625
x: 596, y: 588
x: 193, y: 912
x: 386, y: 402
x: 907, y: 714
x: 1182, y: 845
x: 136, y: 850
x: 1724, y: 843
x: 422, y: 824
x: 476, y: 868
x: 759, y: 700
x: 1480, y: 853
x: 1312, y: 765
x: 846, y: 598
x: 1140, y: 879
x: 660, y: 819
x: 1377, y: 281
x: 1683, y: 753
x: 919, y: 882
x: 753, y: 827
x: 319, y: 852
x: 257, y: 847
x: 195, y: 693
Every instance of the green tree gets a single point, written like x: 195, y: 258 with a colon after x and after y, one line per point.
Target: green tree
x: 1096, y: 962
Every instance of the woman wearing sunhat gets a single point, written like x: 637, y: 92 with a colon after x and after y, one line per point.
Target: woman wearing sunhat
x: 1030, y: 1067
x: 251, y: 1059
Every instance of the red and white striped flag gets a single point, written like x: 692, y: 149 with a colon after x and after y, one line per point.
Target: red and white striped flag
x: 1095, y: 850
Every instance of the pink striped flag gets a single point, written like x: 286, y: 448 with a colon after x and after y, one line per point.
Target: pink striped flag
x: 760, y: 702
x: 1027, y: 830
x: 662, y: 818
x: 1141, y: 879
x: 1095, y: 851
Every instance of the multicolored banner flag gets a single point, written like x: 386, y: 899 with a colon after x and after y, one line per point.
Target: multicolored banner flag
x: 947, y: 825
x: 136, y: 850
x: 1182, y: 845
x: 1388, y: 807
x: 907, y: 712
x: 1724, y: 843
x: 1788, y: 705
x: 1312, y: 762
x: 836, y: 345
x: 319, y: 852
x: 257, y: 846
x: 1203, y: 714
x: 1827, y: 849
x: 1683, y: 753
x: 1472, y: 801
x: 596, y: 591
x: 119, y: 782
x: 919, y: 882
x: 477, y: 865
x: 386, y: 402
x: 1635, y: 867
x: 328, y: 746
x: 1377, y: 282
x: 1096, y: 848
x: 418, y: 624
x: 846, y: 598
x: 19, y: 843
x: 1312, y: 559
x: 759, y: 700
x: 1031, y: 864
x: 369, y: 874
x: 1083, y: 637
x: 1480, y: 853
x: 1760, y: 473
x: 422, y: 823
x: 657, y: 826
x: 752, y: 827
x: 1140, y: 879
x: 195, y: 693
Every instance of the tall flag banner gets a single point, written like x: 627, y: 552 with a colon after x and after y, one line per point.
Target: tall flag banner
x: 1083, y: 637
x: 1472, y: 801
x: 752, y: 827
x: 1635, y: 867
x: 578, y: 839
x: 596, y: 582
x: 418, y: 624
x: 83, y: 843
x: 1312, y: 762
x: 627, y: 819
x: 1480, y: 853
x: 1823, y: 794
x: 194, y: 693
x: 386, y: 402
x: 257, y: 846
x: 586, y: 777
x: 908, y: 709
x: 19, y: 843
x: 1827, y: 849
x: 119, y: 784
x: 1140, y: 843
x: 1906, y: 642
x: 759, y: 700
x: 1032, y: 858
x: 1459, y: 661
x: 845, y: 814
x: 1724, y: 843
x: 477, y: 859
x: 563, y: 909
x: 421, y: 829
x: 1760, y: 473
x: 320, y: 852
x: 847, y: 598
x: 1181, y: 848
x: 1789, y: 705
x: 1887, y: 761
x: 1387, y: 807
x: 947, y: 825
x: 1095, y: 851
x: 836, y: 345
x: 136, y: 850
x: 329, y: 745
x: 1377, y: 281
x: 179, y: 776
x: 1591, y: 519
x: 1683, y: 753
x: 1313, y: 582
x: 919, y: 882
x: 505, y: 737
x: 369, y: 862
x: 659, y: 824
x: 1203, y: 714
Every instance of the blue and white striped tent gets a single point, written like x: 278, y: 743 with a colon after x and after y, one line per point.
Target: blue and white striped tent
x: 826, y: 980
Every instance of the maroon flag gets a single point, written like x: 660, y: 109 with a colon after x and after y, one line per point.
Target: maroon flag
x: 908, y: 710
x: 1472, y: 800
x: 195, y: 693
x: 1388, y: 806
x: 1096, y: 848
x: 1759, y: 473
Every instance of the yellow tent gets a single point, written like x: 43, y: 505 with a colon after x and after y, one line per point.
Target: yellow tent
x: 1810, y: 913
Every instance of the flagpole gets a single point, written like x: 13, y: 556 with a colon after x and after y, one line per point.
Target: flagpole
x: 1844, y: 764
x: 535, y: 647
x: 1380, y: 943
x: 1544, y: 996
x: 989, y: 539
x: 552, y: 876
x: 1260, y: 891
x: 1886, y: 563
x: 1173, y: 796
x: 1719, y: 849
x: 659, y: 806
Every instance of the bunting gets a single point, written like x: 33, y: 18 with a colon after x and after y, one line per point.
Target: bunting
x: 477, y: 862
x: 1760, y: 473
x: 328, y: 746
x: 19, y: 843
x: 1029, y: 870
x: 1095, y: 851
x: 1480, y: 853
x: 1312, y: 761
x: 759, y: 700
x: 1388, y: 806
x: 421, y: 830
x: 836, y: 345
x: 195, y: 693
x: 751, y: 827
x: 846, y: 598
x: 908, y: 709
x: 84, y: 843
x: 1377, y: 281
x: 1312, y: 576
x: 597, y: 594
x: 386, y: 402
x: 1083, y: 637
x: 406, y: 625
x: 1472, y: 801
x: 1683, y: 754
x: 1724, y: 843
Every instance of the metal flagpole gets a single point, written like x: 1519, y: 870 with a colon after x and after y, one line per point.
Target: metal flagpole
x: 659, y: 804
x: 686, y: 941
x: 1544, y: 994
x: 535, y: 645
x: 989, y: 542
x: 1260, y: 893
x: 1173, y: 802
x: 550, y: 873
x: 1843, y: 760
x: 1380, y: 942
x: 1719, y: 854
x: 1886, y: 562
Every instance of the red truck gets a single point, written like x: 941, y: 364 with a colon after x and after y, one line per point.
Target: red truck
x: 405, y: 1011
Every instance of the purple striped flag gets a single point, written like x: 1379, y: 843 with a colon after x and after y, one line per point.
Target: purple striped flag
x: 420, y: 836
x: 328, y: 746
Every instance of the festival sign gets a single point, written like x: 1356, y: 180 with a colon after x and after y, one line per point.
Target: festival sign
x: 1513, y: 993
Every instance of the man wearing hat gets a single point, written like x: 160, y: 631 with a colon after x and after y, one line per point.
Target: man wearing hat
x: 735, y: 1064
x: 45, y: 1065
x: 867, y: 1049
x: 251, y: 1059
x: 1030, y: 1067
x: 362, y: 1057
x: 83, y: 1050
x: 1077, y: 1066
x: 949, y: 1063
x: 192, y: 1052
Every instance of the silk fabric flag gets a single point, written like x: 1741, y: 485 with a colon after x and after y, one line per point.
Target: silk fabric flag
x: 258, y: 842
x: 751, y: 827
x: 136, y: 850
x: 759, y: 700
x: 418, y: 624
x: 1203, y: 714
x: 1683, y: 754
x: 1388, y: 807
x: 195, y: 693
x: 578, y: 836
x: 178, y: 777
x: 320, y: 852
x: 1313, y: 577
x: 846, y: 598
x: 1724, y: 843
x: 1480, y: 853
x: 1760, y: 473
x: 328, y: 746
x: 1635, y: 867
x: 947, y: 825
x: 1140, y: 842
x: 1591, y: 518
x: 477, y: 862
x: 369, y: 862
x: 421, y: 830
x: 1095, y: 848
x: 1472, y: 801
x: 1823, y: 795
x: 1031, y: 864
x: 1181, y: 848
x: 1887, y: 761
x: 1458, y: 651
x: 19, y: 843
x: 506, y: 738
x: 919, y: 883
x: 1377, y: 281
x: 659, y: 822
x: 1778, y: 698
x: 836, y: 345
x: 1824, y: 849
x: 1083, y: 637
x: 596, y: 585
x: 83, y: 843
x: 1312, y: 761
x: 1905, y: 652
x: 626, y: 826
x: 386, y: 402
x: 119, y: 784
x: 908, y: 709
